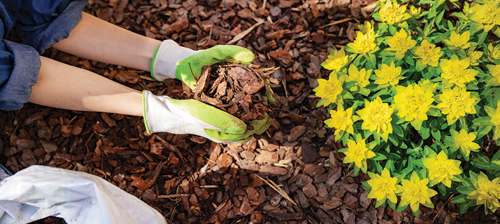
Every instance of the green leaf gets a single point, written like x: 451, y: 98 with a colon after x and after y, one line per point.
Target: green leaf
x: 465, y: 189
x: 391, y: 204
x: 482, y: 37
x: 483, y: 121
x: 483, y: 130
x: 409, y: 60
x: 393, y: 30
x: 379, y: 157
x: 459, y: 199
x: 465, y: 206
x: 401, y: 208
x: 398, y: 130
x: 425, y: 132
x: 435, y: 112
x: 436, y: 134
x: 442, y: 189
x: 379, y: 203
x: 419, y: 65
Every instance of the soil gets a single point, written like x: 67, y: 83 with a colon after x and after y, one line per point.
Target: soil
x: 292, y: 173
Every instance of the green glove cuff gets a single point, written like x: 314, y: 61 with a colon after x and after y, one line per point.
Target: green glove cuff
x: 153, y: 66
x: 144, y: 112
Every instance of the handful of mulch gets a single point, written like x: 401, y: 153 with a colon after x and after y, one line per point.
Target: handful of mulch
x: 237, y: 89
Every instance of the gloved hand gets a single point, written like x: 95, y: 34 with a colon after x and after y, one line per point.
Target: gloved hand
x: 164, y: 114
x: 174, y: 61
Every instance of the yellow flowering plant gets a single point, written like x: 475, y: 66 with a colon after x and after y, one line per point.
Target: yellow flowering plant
x: 415, y: 101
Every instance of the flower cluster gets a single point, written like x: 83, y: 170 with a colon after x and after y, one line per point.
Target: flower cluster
x: 415, y: 97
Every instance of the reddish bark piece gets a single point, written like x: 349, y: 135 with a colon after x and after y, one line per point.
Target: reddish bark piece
x: 309, y: 154
x: 310, y: 190
x: 224, y: 161
x: 283, y: 57
x: 127, y: 76
x: 267, y: 157
x: 245, y: 13
x: 296, y: 132
x: 364, y: 200
x: 313, y: 169
x: 149, y: 195
x: 349, y: 199
x: 332, y: 203
x: 246, y: 208
x: 272, y: 170
x: 252, y: 194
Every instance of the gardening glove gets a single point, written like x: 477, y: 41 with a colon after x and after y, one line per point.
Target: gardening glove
x: 174, y: 61
x: 164, y: 114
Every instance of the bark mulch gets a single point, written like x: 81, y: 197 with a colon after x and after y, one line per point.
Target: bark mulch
x: 292, y: 173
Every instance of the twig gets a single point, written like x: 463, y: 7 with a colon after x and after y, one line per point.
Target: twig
x: 221, y: 206
x: 146, y: 78
x: 209, y: 186
x: 336, y: 22
x: 194, y: 76
x: 244, y: 33
x: 173, y: 195
x: 451, y: 196
x: 277, y: 189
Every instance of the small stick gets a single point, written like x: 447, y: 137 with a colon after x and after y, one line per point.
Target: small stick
x: 439, y: 212
x: 194, y: 76
x: 173, y: 195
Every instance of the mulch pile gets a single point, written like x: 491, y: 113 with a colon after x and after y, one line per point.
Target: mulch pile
x: 292, y: 173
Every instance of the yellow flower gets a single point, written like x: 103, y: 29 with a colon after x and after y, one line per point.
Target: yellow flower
x: 473, y: 56
x: 400, y: 43
x: 376, y: 116
x: 416, y: 192
x: 413, y: 102
x: 428, y: 53
x: 341, y: 120
x: 414, y: 11
x: 358, y: 153
x: 487, y: 14
x: 495, y: 73
x: 366, y: 27
x: 329, y: 90
x: 464, y: 141
x: 455, y: 71
x: 456, y: 103
x: 383, y: 187
x: 487, y: 192
x: 361, y: 77
x: 336, y: 60
x: 459, y: 41
x: 442, y: 169
x: 364, y: 43
x: 494, y: 52
x: 388, y: 75
x: 392, y: 12
x: 494, y: 115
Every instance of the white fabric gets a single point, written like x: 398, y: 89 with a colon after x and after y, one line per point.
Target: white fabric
x: 79, y: 198
x: 168, y: 56
x: 162, y: 116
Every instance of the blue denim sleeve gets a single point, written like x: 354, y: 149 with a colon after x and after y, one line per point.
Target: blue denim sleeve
x: 43, y: 23
x: 19, y: 66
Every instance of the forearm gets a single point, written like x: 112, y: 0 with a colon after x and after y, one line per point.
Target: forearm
x: 63, y: 86
x: 98, y: 40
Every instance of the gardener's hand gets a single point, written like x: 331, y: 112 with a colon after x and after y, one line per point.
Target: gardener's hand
x: 174, y: 61
x: 164, y: 114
